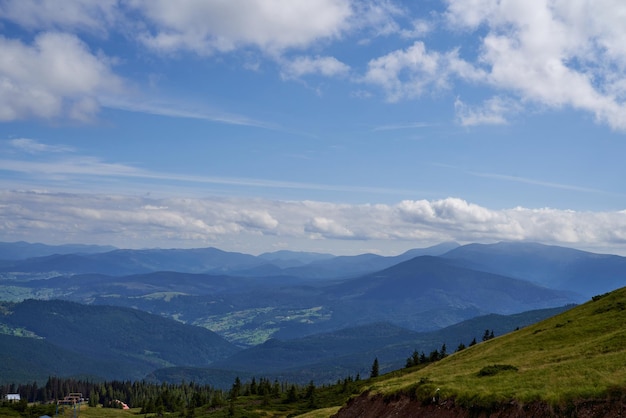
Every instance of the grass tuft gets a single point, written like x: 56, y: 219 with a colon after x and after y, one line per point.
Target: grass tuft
x: 495, y: 369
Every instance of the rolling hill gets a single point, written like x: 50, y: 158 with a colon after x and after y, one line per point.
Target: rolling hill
x: 326, y: 357
x: 427, y: 293
x: 571, y: 364
x: 106, y: 341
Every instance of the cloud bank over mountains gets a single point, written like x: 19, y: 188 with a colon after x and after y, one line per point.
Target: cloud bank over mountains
x: 265, y: 224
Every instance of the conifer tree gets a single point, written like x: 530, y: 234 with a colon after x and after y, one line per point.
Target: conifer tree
x: 375, y: 368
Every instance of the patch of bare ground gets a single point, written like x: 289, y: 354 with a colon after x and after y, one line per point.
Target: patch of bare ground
x: 378, y: 406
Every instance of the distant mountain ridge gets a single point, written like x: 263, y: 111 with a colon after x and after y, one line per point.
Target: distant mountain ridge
x: 416, y: 290
x: 551, y: 266
x: 22, y: 250
x: 120, y: 262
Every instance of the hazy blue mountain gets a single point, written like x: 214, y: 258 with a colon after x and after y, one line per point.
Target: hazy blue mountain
x: 126, y: 262
x: 424, y: 293
x: 556, y: 267
x: 85, y: 287
x: 287, y: 259
x: 435, y: 250
x: 431, y: 292
x: 128, y: 342
x: 22, y: 250
x: 209, y: 260
x: 353, y: 266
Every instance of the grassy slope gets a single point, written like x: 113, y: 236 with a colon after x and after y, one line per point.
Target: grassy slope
x: 580, y: 353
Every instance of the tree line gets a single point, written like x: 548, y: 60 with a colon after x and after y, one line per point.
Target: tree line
x: 151, y: 397
x: 421, y: 358
x: 160, y: 398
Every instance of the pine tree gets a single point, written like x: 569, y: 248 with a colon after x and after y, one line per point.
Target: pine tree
x: 292, y: 394
x: 375, y: 368
x: 486, y: 335
x: 236, y: 389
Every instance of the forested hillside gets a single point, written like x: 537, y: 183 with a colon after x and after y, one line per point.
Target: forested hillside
x: 107, y: 342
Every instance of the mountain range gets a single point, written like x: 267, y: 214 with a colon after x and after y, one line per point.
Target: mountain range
x: 297, y: 315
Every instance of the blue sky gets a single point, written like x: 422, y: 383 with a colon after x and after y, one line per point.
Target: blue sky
x: 330, y: 125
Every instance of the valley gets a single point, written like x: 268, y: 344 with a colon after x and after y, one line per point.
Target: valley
x: 214, y: 326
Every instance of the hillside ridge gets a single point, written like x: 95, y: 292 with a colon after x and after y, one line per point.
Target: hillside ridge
x: 570, y: 364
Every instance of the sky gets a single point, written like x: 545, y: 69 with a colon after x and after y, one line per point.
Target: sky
x: 335, y: 126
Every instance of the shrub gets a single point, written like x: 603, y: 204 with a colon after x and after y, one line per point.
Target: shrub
x: 495, y: 369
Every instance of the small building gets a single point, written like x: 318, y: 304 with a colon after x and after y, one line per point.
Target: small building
x: 13, y: 397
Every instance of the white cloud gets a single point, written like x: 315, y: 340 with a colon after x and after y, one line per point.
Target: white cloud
x: 56, y: 76
x: 409, y: 73
x: 494, y: 111
x: 552, y: 52
x: 206, y: 27
x: 176, y: 109
x: 148, y: 222
x: 378, y: 16
x: 305, y: 65
x: 321, y: 227
x: 419, y: 28
x: 93, y: 16
x: 34, y: 147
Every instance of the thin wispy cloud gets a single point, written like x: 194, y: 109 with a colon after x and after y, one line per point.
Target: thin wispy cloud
x: 400, y: 126
x: 93, y: 167
x: 177, y: 110
x: 34, y: 147
x: 535, y: 182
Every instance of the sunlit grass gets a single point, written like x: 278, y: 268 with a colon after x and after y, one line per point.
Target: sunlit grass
x: 578, y: 354
x: 321, y: 413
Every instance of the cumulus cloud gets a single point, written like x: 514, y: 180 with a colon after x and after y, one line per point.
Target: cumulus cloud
x: 409, y: 73
x: 206, y: 27
x: 552, y: 52
x: 187, y: 222
x: 93, y: 16
x: 321, y: 227
x: 56, y: 76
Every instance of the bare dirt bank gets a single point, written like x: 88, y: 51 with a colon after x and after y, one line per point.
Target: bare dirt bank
x: 377, y: 406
